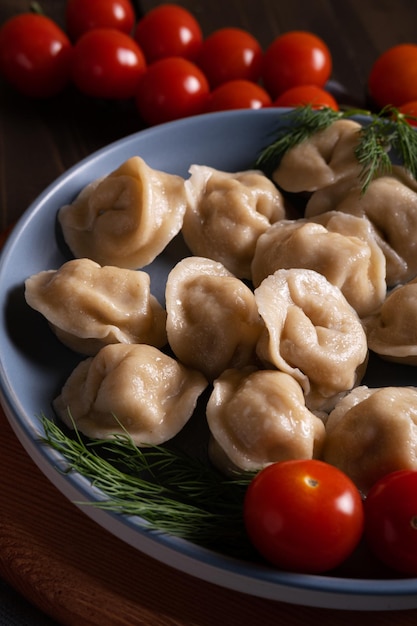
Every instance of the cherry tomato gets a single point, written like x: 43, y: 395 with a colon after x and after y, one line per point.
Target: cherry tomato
x: 238, y: 94
x: 303, y: 515
x: 409, y: 109
x: 84, y: 15
x: 107, y: 64
x: 230, y: 54
x: 393, y: 76
x: 391, y: 520
x: 35, y: 55
x: 306, y: 94
x: 169, y: 31
x: 296, y: 58
x: 170, y: 89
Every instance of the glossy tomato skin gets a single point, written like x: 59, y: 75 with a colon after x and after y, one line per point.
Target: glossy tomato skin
x: 238, y: 94
x: 393, y: 77
x: 230, y: 54
x: 35, y: 55
x: 306, y: 94
x: 84, y: 15
x: 303, y: 515
x: 107, y: 64
x: 170, y: 89
x: 296, y: 58
x: 169, y: 30
x: 391, y: 520
x: 409, y: 109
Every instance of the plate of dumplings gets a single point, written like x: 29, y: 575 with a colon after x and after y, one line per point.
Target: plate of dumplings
x: 172, y: 281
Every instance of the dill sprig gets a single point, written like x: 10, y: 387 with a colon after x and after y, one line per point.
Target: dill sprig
x: 386, y: 136
x: 169, y: 490
x: 296, y: 126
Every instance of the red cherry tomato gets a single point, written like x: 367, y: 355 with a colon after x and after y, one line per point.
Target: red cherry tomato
x: 238, y: 94
x: 391, y: 520
x: 230, y: 54
x: 84, y: 15
x: 306, y: 94
x: 168, y: 31
x: 107, y: 64
x: 303, y: 515
x: 35, y: 55
x: 393, y: 76
x: 409, y: 109
x: 296, y: 58
x: 170, y: 89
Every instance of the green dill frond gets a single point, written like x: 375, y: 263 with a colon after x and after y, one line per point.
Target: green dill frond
x: 296, y: 126
x: 169, y: 490
x: 387, y: 135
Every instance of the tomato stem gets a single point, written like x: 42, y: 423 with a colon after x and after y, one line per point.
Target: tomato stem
x: 413, y: 522
x: 35, y: 7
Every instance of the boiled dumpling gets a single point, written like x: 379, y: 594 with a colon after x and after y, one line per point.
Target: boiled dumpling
x: 390, y: 205
x: 134, y: 388
x: 258, y: 417
x: 343, y: 249
x: 321, y: 160
x: 373, y: 432
x: 226, y: 214
x: 89, y: 306
x: 126, y: 218
x: 312, y: 333
x: 212, y: 318
x: 392, y: 330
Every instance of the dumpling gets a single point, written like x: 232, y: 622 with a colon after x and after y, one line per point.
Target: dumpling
x: 258, y: 417
x: 392, y: 330
x: 312, y: 333
x: 373, y: 432
x: 343, y: 249
x: 390, y: 205
x: 126, y: 218
x: 321, y: 160
x: 148, y: 392
x: 226, y: 214
x: 212, y: 318
x: 89, y: 306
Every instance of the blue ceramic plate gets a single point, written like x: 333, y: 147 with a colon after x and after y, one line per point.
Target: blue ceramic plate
x: 34, y: 365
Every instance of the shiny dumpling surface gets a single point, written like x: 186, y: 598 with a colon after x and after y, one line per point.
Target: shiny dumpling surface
x: 89, y: 306
x: 312, y: 333
x: 148, y: 392
x: 321, y: 160
x: 126, y: 218
x: 343, y: 250
x: 390, y: 205
x: 226, y: 214
x: 373, y: 432
x: 212, y: 318
x: 392, y: 330
x: 258, y: 417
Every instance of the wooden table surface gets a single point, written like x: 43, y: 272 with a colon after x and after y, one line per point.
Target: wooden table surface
x: 50, y: 552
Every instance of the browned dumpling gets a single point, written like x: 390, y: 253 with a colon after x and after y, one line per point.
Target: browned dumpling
x: 390, y: 205
x: 392, y: 330
x: 126, y: 218
x: 350, y: 259
x: 373, y: 432
x: 134, y: 388
x: 212, y: 318
x: 89, y: 306
x: 321, y: 160
x: 312, y: 333
x: 258, y: 417
x: 226, y: 214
